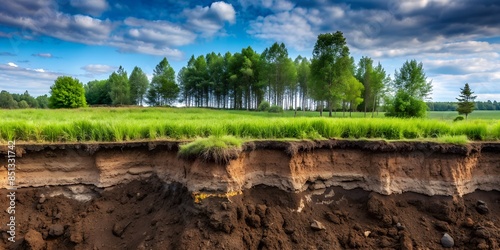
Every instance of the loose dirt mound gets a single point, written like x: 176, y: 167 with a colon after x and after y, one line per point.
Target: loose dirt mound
x: 146, y: 214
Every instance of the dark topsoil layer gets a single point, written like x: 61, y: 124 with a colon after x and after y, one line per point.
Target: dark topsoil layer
x: 150, y: 215
x: 290, y: 147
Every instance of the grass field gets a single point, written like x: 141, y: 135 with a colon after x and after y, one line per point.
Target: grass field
x: 478, y: 114
x: 123, y: 124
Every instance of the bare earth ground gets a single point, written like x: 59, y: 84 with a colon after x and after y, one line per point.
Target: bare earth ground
x: 147, y: 214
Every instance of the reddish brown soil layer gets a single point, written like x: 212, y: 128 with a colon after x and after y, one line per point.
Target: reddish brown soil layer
x: 146, y: 214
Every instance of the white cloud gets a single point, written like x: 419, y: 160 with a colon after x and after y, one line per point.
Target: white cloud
x: 153, y: 37
x: 99, y: 69
x: 275, y: 5
x: 224, y: 11
x: 74, y: 28
x: 12, y: 64
x: 158, y: 32
x: 409, y: 6
x: 91, y: 7
x: 45, y: 55
x: 132, y: 35
x: 291, y: 27
x: 209, y: 21
x: 19, y: 79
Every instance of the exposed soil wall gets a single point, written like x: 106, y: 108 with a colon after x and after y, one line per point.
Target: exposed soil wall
x: 275, y: 195
x: 386, y: 168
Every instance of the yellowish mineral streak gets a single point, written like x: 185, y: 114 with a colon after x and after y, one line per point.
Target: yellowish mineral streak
x: 199, y: 196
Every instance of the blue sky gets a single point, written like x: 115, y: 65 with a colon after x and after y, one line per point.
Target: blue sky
x: 457, y: 41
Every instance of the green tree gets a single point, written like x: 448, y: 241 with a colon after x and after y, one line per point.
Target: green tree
x: 274, y: 70
x: 30, y: 100
x: 411, y: 79
x: 163, y: 89
x: 43, y: 101
x: 303, y: 66
x: 405, y: 106
x: 243, y: 73
x: 411, y: 88
x: 330, y: 63
x: 216, y: 74
x: 23, y: 104
x: 97, y: 92
x: 120, y: 87
x: 290, y: 77
x: 353, y: 93
x: 364, y: 74
x: 379, y: 82
x: 138, y: 85
x: 465, y: 101
x: 7, y: 101
x: 67, y: 92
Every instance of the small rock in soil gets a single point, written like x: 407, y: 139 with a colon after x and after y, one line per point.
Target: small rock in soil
x: 482, y: 209
x: 469, y: 222
x: 56, y: 230
x: 316, y: 225
x: 119, y: 228
x: 333, y: 218
x: 442, y: 226
x: 447, y: 241
x: 42, y: 199
x: 395, y: 219
x: 367, y: 233
x: 33, y: 240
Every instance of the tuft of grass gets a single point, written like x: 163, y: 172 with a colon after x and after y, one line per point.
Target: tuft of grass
x: 219, y: 149
x: 453, y: 139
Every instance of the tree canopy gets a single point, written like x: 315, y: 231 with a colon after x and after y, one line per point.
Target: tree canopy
x: 411, y: 79
x: 139, y: 84
x: 164, y: 89
x: 411, y: 88
x: 119, y: 87
x: 67, y: 92
x: 329, y: 68
x: 465, y: 101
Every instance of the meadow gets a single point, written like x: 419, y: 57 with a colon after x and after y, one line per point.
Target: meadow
x: 130, y: 124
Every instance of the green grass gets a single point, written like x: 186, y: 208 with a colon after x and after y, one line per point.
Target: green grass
x: 220, y: 149
x: 477, y: 114
x: 130, y: 124
x: 453, y: 139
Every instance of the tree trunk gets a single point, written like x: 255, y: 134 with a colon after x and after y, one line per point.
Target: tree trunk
x: 343, y: 108
x: 295, y: 103
x: 374, y: 104
x: 329, y: 103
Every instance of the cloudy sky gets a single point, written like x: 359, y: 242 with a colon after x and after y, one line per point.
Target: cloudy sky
x: 457, y: 41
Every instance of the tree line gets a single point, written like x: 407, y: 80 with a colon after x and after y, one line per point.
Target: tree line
x: 452, y: 106
x: 329, y: 81
x: 22, y: 101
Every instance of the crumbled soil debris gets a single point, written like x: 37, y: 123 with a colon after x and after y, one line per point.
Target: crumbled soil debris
x: 149, y: 214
